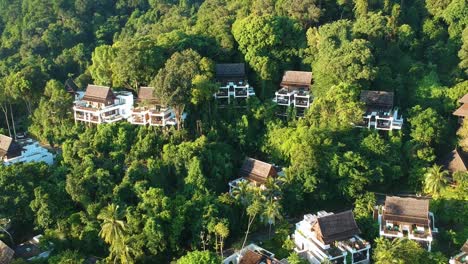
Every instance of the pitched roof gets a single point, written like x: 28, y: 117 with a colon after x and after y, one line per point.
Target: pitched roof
x: 6, y: 253
x: 456, y: 160
x: 297, y: 79
x: 257, y: 171
x: 462, y: 110
x: 377, y: 98
x: 230, y: 70
x: 100, y: 94
x: 70, y: 86
x: 464, y: 248
x: 464, y: 99
x: 253, y: 257
x: 8, y: 147
x: 336, y: 227
x: 407, y: 209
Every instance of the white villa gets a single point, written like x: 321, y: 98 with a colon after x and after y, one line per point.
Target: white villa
x: 330, y: 237
x: 407, y: 217
x: 23, y: 150
x: 253, y: 254
x: 150, y: 112
x: 295, y: 91
x: 380, y: 113
x: 101, y: 105
x: 255, y: 172
x: 233, y: 83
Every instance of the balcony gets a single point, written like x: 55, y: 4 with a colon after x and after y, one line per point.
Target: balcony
x: 240, y: 92
x: 222, y: 93
x: 283, y: 100
x: 301, y: 102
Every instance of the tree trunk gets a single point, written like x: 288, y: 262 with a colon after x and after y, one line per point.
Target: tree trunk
x: 269, y: 232
x: 221, y: 247
x: 5, y: 111
x: 248, y: 230
x: 12, y: 122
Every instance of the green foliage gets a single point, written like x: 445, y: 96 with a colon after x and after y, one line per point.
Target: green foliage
x: 397, y: 250
x: 199, y: 257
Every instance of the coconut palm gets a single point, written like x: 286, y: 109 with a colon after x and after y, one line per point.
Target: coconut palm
x: 113, y: 231
x: 435, y: 180
x: 252, y: 211
x: 270, y: 213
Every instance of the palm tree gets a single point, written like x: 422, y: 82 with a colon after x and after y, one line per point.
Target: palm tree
x: 252, y: 211
x: 271, y: 213
x: 435, y: 180
x: 113, y: 231
x: 242, y: 192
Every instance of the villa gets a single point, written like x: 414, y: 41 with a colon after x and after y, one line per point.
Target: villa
x: 255, y: 172
x: 407, y: 217
x: 294, y: 91
x: 462, y: 257
x: 462, y: 111
x: 23, y: 150
x: 101, y: 105
x: 150, y: 112
x: 233, y: 83
x: 253, y: 254
x: 380, y: 113
x: 330, y: 237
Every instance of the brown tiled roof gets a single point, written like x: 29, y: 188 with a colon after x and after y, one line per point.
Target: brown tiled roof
x: 464, y: 248
x: 257, y: 171
x: 462, y: 111
x: 147, y: 94
x: 297, y: 79
x: 464, y: 99
x: 407, y: 209
x: 99, y: 94
x: 336, y: 227
x: 225, y: 70
x: 252, y: 257
x: 377, y: 98
x: 6, y: 253
x: 70, y: 86
x: 456, y: 161
x: 8, y: 147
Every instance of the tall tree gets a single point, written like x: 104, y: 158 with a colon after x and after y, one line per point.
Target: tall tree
x: 271, y: 212
x: 173, y: 83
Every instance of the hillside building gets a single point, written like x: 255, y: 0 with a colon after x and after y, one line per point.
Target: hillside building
x: 233, y: 83
x: 23, y: 150
x: 294, y: 92
x: 380, y: 113
x: 253, y: 254
x: 149, y: 110
x: 462, y: 111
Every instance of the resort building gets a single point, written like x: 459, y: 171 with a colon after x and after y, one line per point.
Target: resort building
x: 407, y: 217
x: 72, y: 89
x: 253, y: 254
x: 254, y: 172
x: 380, y: 113
x: 462, y: 257
x: 32, y: 250
x: 150, y: 112
x: 330, y: 237
x: 23, y: 150
x: 101, y: 105
x: 233, y: 83
x: 6, y: 253
x: 462, y: 111
x: 294, y: 92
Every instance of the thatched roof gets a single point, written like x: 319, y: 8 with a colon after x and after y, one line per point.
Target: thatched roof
x: 6, y: 253
x: 377, y: 98
x: 8, y: 147
x: 408, y: 210
x: 257, y: 171
x: 227, y: 70
x: 462, y: 111
x: 300, y: 79
x: 99, y: 94
x: 336, y: 227
x: 455, y: 161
